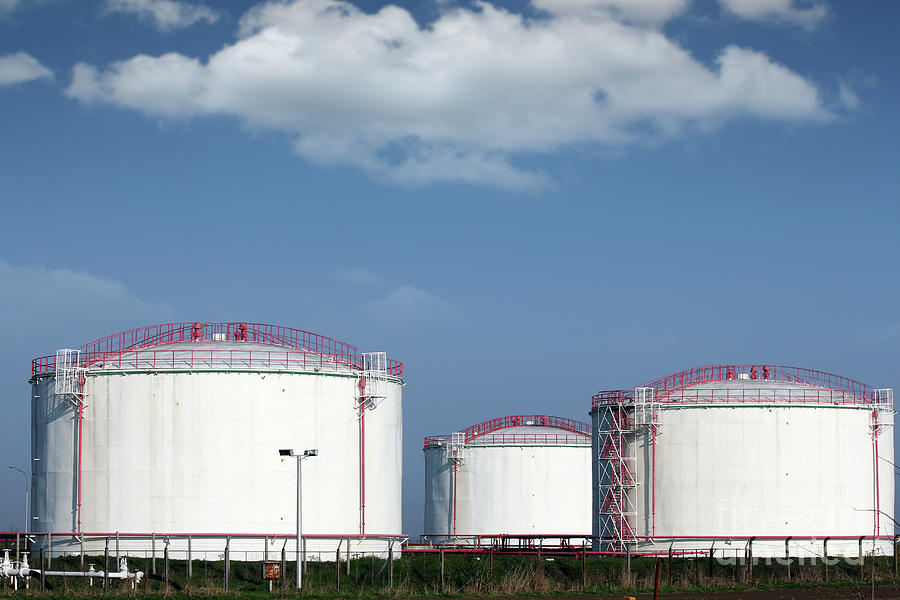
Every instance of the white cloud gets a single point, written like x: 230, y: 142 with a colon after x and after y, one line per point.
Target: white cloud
x: 358, y: 276
x: 639, y: 11
x: 7, y: 6
x: 21, y: 67
x: 846, y: 96
x: 468, y: 98
x: 71, y: 307
x: 806, y: 14
x: 166, y: 15
x: 408, y: 303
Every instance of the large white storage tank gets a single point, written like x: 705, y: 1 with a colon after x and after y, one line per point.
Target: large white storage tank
x: 176, y: 429
x: 747, y: 459
x: 517, y: 476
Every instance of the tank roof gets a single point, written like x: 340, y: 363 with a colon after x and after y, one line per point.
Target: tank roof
x: 519, y: 430
x: 234, y: 345
x: 753, y: 383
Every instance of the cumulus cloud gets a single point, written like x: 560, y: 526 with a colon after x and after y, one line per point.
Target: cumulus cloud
x: 7, y: 6
x: 409, y: 303
x: 470, y: 98
x: 808, y: 14
x: 21, y: 67
x: 166, y: 15
x: 68, y: 305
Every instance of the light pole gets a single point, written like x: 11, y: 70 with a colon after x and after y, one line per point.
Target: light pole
x: 25, y: 475
x: 299, y: 457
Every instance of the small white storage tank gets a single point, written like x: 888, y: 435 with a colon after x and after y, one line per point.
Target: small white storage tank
x: 515, y: 476
x: 175, y: 429
x: 745, y: 458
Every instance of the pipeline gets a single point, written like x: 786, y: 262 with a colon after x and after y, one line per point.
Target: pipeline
x: 15, y: 570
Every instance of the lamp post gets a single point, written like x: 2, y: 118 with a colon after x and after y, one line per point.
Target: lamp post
x: 25, y: 475
x: 306, y: 454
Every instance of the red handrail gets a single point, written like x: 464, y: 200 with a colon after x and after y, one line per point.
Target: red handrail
x: 168, y: 333
x: 823, y: 387
x: 485, y: 427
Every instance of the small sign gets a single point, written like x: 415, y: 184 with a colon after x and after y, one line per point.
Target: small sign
x: 271, y: 570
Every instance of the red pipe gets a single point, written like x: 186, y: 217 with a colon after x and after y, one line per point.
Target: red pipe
x: 455, y: 475
x: 877, y: 480
x: 362, y: 456
x: 653, y: 484
x: 80, y: 429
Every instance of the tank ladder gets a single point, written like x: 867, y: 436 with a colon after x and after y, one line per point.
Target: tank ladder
x: 620, y: 423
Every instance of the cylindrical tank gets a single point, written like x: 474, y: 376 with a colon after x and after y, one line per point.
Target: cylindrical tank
x: 757, y: 459
x: 514, y: 476
x: 177, y: 428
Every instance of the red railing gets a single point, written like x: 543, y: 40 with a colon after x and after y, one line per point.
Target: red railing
x: 487, y: 427
x: 710, y: 373
x: 105, y: 348
x: 821, y: 387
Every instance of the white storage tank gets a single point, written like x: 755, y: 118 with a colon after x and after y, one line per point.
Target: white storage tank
x: 519, y: 477
x: 745, y: 459
x: 176, y: 429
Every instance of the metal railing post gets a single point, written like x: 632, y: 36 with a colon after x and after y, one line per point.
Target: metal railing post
x: 106, y: 566
x: 227, y: 560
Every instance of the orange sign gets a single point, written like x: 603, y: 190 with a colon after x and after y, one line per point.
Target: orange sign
x: 271, y: 570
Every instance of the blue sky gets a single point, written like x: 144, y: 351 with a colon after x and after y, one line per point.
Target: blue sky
x: 525, y: 202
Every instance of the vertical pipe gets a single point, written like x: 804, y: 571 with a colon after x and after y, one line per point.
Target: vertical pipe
x: 455, y: 475
x: 299, y: 532
x: 106, y: 566
x: 595, y: 479
x: 583, y: 567
x: 80, y: 431
x: 190, y: 569
x: 896, y: 573
x: 227, y: 560
x: 166, y: 566
x: 337, y: 568
x: 391, y: 567
x: 861, y: 558
x: 787, y: 556
x: 283, y: 566
x: 362, y: 460
x: 442, y: 570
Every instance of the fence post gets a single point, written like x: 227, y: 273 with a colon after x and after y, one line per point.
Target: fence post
x: 712, y: 552
x: 337, y: 568
x: 669, y: 567
x: 895, y: 556
x: 825, y: 555
x: 81, y: 549
x: 750, y: 560
x: 106, y: 566
x: 391, y: 566
x: 227, y: 559
x: 348, y: 557
x: 442, y: 570
x: 583, y: 567
x: 43, y: 568
x: 49, y: 551
x: 861, y: 559
x: 117, y: 549
x: 166, y: 565
x: 17, y: 547
x: 153, y: 553
x: 190, y: 567
x: 787, y: 556
x: 627, y: 564
x: 283, y: 565
x: 492, y: 562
